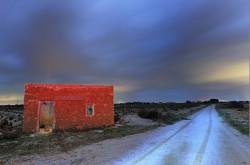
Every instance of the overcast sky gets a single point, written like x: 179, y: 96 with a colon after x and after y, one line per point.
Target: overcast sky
x: 150, y: 50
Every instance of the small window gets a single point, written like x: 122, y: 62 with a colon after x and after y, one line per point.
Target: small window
x: 90, y: 110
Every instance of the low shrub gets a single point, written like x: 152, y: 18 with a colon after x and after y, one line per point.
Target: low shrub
x: 169, y: 118
x: 153, y: 115
x: 158, y: 116
x: 172, y: 118
x: 235, y: 104
x: 117, y: 117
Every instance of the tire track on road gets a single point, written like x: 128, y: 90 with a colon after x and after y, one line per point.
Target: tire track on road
x: 166, y: 140
x: 199, y: 156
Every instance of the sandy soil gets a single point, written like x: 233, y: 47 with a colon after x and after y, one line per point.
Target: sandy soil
x: 204, y: 139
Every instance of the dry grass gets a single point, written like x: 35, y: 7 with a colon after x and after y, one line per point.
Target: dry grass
x: 237, y: 118
x: 63, y: 142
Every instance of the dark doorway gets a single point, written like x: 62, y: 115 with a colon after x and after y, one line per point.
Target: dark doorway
x: 46, y: 116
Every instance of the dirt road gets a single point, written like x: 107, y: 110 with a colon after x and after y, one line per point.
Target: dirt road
x: 204, y: 139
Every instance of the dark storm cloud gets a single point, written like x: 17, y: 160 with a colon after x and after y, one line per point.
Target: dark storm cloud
x: 145, y: 48
x: 42, y: 41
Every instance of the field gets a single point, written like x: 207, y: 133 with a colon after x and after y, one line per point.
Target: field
x: 128, y: 122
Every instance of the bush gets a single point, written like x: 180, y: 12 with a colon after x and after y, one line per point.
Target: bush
x: 157, y: 116
x: 235, y: 104
x: 117, y: 117
x: 214, y: 101
x: 172, y: 118
x: 153, y: 115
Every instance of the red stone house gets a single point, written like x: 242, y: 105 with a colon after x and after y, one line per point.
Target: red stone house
x: 56, y: 107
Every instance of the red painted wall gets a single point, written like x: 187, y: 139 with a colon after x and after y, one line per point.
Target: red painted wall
x: 70, y: 103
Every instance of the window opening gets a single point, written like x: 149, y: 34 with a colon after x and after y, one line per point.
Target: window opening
x: 90, y: 110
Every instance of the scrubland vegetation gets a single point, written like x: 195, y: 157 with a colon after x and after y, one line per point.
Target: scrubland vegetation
x: 235, y: 114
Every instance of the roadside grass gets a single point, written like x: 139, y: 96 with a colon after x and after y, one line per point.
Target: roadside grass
x: 63, y: 142
x: 168, y: 118
x: 227, y: 116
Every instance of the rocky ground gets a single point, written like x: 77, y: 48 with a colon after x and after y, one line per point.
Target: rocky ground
x: 10, y: 121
